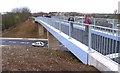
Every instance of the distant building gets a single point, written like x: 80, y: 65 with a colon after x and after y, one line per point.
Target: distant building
x: 119, y: 7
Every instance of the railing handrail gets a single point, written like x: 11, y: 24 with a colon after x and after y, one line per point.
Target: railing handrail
x: 105, y: 27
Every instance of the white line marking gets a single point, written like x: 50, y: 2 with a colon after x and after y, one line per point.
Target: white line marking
x: 27, y: 42
x: 10, y: 41
x: 22, y: 42
x: 26, y: 39
x: 3, y: 41
x: 13, y: 42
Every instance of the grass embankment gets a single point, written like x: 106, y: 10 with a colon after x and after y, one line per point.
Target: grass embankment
x: 27, y: 29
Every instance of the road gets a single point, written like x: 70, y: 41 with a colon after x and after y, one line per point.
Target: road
x: 20, y: 41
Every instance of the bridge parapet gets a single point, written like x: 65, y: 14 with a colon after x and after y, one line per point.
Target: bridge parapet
x: 103, y: 40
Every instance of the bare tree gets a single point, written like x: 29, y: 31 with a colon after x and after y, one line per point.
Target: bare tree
x: 16, y: 10
x: 115, y: 11
x: 21, y: 10
x: 25, y: 10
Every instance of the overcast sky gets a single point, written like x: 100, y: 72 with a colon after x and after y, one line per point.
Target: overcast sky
x: 82, y: 6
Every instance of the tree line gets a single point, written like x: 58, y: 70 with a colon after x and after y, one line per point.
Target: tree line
x: 16, y: 16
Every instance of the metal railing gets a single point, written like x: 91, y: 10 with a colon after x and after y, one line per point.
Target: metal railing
x: 106, y: 22
x: 107, y: 43
x: 102, y: 39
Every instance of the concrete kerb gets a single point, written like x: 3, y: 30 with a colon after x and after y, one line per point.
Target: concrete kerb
x: 102, y: 63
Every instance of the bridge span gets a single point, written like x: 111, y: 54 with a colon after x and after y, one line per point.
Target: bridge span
x: 99, y: 46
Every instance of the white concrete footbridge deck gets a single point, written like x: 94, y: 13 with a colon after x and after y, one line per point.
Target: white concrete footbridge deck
x: 99, y: 46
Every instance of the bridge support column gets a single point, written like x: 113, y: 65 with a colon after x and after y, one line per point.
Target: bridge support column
x: 52, y: 41
x: 42, y: 31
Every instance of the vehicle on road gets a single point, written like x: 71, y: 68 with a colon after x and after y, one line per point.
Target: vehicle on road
x: 38, y: 44
x: 48, y: 16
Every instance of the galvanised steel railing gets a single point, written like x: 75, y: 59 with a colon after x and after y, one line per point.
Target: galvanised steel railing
x: 107, y: 43
x: 112, y: 23
x: 102, y: 39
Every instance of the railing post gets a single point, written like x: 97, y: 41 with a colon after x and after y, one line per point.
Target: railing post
x: 70, y: 30
x: 60, y: 26
x: 94, y: 21
x: 82, y: 22
x: 89, y: 39
x: 113, y: 26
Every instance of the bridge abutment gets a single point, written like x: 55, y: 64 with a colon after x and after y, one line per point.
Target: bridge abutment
x: 42, y: 31
x: 52, y: 41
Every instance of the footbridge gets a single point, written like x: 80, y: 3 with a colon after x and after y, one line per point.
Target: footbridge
x: 96, y: 45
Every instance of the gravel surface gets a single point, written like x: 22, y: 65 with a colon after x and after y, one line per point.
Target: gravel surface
x: 26, y: 58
